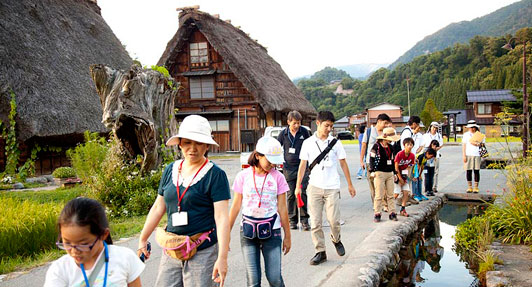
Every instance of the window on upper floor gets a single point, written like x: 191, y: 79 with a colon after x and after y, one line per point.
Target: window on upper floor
x: 201, y: 87
x: 484, y: 109
x: 199, y: 53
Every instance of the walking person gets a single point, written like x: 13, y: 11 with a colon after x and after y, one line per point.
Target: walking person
x: 261, y: 190
x: 361, y: 169
x: 291, y: 139
x: 194, y: 194
x: 324, y: 184
x: 370, y: 138
x: 471, y: 142
x: 92, y: 259
x: 431, y: 135
x: 381, y: 167
x: 403, y: 161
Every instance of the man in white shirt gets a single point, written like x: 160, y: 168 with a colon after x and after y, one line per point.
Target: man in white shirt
x: 323, y: 190
x: 370, y: 138
x: 409, y: 131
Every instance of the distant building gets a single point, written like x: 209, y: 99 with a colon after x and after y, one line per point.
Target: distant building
x: 485, y: 106
x: 395, y: 112
x: 340, y: 91
x: 341, y: 125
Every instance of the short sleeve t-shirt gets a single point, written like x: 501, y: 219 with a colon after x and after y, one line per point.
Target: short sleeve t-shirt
x: 209, y: 186
x: 124, y: 268
x: 270, y: 187
x: 325, y: 174
x: 471, y: 150
x: 370, y: 140
x: 405, y: 161
x: 289, y: 142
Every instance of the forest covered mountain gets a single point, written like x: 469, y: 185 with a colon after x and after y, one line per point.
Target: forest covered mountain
x: 443, y: 76
x: 506, y: 20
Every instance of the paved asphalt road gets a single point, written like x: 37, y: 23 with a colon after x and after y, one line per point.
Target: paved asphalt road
x: 357, y: 213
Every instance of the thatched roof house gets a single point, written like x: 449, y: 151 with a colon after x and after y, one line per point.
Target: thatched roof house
x: 241, y: 70
x: 46, y: 48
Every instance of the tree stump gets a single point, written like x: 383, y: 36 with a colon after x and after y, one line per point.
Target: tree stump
x: 138, y: 106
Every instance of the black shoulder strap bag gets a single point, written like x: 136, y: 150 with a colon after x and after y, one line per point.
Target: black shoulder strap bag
x: 323, y: 154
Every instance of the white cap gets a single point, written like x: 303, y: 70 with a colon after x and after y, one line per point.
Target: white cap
x: 196, y: 128
x: 435, y: 124
x: 271, y: 148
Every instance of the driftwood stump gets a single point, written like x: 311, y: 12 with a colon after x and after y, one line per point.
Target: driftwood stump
x: 138, y: 106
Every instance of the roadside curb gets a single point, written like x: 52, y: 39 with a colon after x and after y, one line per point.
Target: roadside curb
x: 380, y: 250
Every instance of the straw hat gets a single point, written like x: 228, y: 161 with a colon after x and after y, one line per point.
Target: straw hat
x: 196, y: 128
x: 389, y: 134
x: 271, y: 148
x: 472, y: 124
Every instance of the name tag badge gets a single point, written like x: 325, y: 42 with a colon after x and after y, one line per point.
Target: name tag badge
x: 389, y: 162
x: 291, y: 150
x: 404, y: 171
x: 425, y: 171
x: 258, y: 212
x: 179, y: 218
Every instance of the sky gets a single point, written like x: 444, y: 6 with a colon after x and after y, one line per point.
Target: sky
x: 302, y: 36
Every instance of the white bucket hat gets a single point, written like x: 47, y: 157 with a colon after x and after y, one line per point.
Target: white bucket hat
x: 271, y: 148
x: 435, y: 124
x: 472, y: 124
x: 196, y: 128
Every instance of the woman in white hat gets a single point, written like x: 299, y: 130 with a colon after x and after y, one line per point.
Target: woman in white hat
x: 194, y: 193
x: 471, y: 142
x: 382, y: 168
x: 260, y: 190
x: 433, y: 167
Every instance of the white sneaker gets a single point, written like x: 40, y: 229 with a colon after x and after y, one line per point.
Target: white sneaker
x: 359, y: 177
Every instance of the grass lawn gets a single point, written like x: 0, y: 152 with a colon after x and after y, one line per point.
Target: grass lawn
x: 344, y: 142
x: 120, y: 228
x: 490, y: 140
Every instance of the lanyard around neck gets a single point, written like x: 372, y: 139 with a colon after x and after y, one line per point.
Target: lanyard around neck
x: 106, y: 254
x: 262, y: 188
x: 180, y: 197
x: 388, y: 151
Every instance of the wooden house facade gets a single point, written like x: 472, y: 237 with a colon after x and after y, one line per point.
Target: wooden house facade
x: 229, y: 79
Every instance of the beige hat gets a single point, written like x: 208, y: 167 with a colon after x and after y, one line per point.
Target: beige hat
x: 196, y: 128
x: 389, y: 134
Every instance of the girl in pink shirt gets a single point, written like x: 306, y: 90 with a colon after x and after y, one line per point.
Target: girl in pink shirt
x: 260, y: 191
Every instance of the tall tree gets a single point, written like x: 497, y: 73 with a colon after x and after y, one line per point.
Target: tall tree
x: 430, y: 113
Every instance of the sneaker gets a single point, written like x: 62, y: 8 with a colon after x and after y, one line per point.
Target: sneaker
x: 413, y: 200
x: 435, y: 190
x: 319, y: 258
x: 403, y: 213
x: 469, y: 190
x: 305, y: 226
x: 393, y: 216
x: 475, y: 190
x: 293, y: 225
x: 418, y: 198
x: 377, y: 218
x: 430, y: 193
x: 359, y: 177
x: 339, y: 248
x: 424, y: 197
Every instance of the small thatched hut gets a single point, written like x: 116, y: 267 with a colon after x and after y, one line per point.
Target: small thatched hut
x: 46, y: 48
x: 230, y: 79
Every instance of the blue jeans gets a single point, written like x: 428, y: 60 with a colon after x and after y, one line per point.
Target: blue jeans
x: 361, y: 171
x: 271, y: 251
x: 417, y: 187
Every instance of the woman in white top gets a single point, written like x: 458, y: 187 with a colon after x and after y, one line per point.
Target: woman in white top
x: 471, y: 155
x: 431, y: 135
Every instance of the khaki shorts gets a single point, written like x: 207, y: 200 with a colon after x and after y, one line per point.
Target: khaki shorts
x: 398, y: 188
x: 472, y: 163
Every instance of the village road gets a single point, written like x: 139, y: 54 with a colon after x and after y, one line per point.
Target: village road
x: 356, y: 212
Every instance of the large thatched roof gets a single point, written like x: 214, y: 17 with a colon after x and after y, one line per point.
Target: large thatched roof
x: 46, y: 48
x: 246, y: 58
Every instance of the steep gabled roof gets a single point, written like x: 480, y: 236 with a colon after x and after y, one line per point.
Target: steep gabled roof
x: 246, y: 58
x: 46, y: 48
x: 384, y: 106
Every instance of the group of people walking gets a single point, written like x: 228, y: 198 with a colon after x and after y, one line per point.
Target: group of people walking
x: 194, y: 195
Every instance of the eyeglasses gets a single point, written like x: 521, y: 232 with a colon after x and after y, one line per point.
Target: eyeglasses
x: 81, y: 247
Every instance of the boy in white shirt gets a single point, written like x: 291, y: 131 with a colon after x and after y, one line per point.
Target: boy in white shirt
x: 323, y: 190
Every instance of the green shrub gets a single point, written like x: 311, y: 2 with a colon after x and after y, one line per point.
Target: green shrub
x: 64, y: 172
x: 87, y: 158
x: 468, y: 236
x: 27, y: 227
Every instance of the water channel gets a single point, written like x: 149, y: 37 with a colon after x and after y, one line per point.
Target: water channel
x: 428, y: 259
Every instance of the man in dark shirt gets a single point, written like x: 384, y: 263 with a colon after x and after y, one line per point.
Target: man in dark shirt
x: 291, y: 139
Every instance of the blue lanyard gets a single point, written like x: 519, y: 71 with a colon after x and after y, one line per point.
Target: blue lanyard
x: 289, y: 138
x: 106, y: 268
